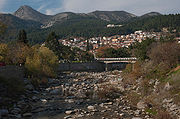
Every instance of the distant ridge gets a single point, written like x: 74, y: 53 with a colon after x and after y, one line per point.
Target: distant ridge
x: 117, y: 16
x: 28, y: 13
x: 38, y: 25
x: 150, y: 14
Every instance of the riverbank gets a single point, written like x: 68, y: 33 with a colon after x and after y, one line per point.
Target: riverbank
x: 78, y: 96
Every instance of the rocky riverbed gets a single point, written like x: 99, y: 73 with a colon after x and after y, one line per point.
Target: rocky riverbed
x: 76, y: 96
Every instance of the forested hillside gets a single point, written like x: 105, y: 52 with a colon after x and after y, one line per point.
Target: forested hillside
x: 79, y: 25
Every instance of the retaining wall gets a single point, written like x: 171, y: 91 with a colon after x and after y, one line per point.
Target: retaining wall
x: 91, y: 66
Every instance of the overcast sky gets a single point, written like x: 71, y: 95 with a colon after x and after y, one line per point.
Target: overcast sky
x: 137, y: 7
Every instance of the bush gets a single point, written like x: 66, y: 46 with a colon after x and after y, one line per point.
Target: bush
x: 108, y: 91
x: 163, y: 57
x: 133, y: 97
x: 3, y: 52
x: 140, y: 49
x: 108, y: 52
x: 132, y: 72
x: 166, y: 54
x: 175, y: 83
x: 13, y: 86
x: 17, y: 53
x: 42, y: 63
x: 128, y: 68
x: 163, y: 115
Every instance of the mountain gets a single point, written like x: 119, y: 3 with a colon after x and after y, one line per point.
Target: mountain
x: 107, y: 16
x: 27, y: 13
x: 14, y: 24
x: 17, y: 23
x: 151, y: 14
x: 67, y: 17
x: 68, y: 24
x: 116, y: 16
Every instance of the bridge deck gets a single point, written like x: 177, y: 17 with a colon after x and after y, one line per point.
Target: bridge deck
x: 117, y: 59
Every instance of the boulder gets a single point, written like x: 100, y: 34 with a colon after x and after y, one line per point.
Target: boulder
x: 55, y: 92
x: 69, y: 112
x: 136, y: 118
x: 167, y: 86
x: 16, y: 111
x: 27, y: 114
x: 91, y: 107
x: 141, y: 105
x: 29, y: 87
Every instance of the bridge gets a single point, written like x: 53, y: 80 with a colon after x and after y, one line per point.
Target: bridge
x: 116, y: 63
x: 100, y: 64
x: 116, y: 60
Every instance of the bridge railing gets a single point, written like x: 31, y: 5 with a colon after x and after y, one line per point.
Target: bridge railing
x: 117, y: 59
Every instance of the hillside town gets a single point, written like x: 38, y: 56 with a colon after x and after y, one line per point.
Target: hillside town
x: 65, y: 59
x: 116, y: 41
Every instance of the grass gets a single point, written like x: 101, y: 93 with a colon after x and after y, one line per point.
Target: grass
x: 133, y: 97
x: 163, y: 115
x: 175, y: 83
x: 151, y: 111
x: 108, y: 91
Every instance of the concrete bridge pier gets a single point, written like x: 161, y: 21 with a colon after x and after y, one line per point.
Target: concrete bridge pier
x: 106, y: 66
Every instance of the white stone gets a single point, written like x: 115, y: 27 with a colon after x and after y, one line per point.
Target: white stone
x: 69, y: 112
x: 91, y: 107
x: 141, y: 105
x: 27, y: 115
x: 44, y: 100
x: 167, y: 86
x: 136, y: 118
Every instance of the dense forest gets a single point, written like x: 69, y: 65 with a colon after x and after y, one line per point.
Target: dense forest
x: 93, y: 27
x: 90, y: 27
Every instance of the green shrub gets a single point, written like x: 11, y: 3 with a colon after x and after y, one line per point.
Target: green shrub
x: 133, y: 97
x: 17, y: 53
x: 128, y: 68
x: 42, y: 63
x: 3, y: 52
x: 151, y: 111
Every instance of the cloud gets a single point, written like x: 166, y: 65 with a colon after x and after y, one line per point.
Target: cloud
x: 53, y: 11
x: 2, y: 3
x: 49, y: 12
x: 137, y: 7
x: 42, y: 7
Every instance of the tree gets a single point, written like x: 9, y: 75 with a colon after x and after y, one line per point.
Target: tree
x: 53, y: 44
x: 123, y: 52
x: 85, y: 56
x: 43, y: 62
x: 88, y: 45
x: 141, y: 49
x: 166, y: 54
x: 108, y: 52
x: 17, y: 53
x: 3, y: 52
x: 2, y: 28
x: 22, y: 37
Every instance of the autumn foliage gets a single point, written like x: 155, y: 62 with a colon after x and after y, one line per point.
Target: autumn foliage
x: 42, y: 63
